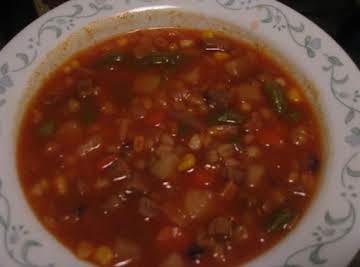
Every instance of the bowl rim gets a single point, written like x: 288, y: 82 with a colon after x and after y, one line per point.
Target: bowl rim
x: 316, y: 51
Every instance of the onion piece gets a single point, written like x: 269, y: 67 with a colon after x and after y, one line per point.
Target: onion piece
x: 198, y: 203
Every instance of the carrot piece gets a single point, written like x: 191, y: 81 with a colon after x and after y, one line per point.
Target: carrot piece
x: 172, y: 238
x: 156, y: 117
x: 107, y: 162
x: 272, y: 136
x: 202, y: 178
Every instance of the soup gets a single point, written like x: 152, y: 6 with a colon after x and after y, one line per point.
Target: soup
x: 169, y: 147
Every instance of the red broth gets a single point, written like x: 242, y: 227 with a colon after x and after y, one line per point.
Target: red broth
x: 170, y: 148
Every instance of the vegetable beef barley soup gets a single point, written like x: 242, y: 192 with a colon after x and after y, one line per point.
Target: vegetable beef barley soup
x: 169, y: 148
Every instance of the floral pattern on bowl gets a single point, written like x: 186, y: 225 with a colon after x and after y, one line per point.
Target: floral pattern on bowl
x: 329, y: 232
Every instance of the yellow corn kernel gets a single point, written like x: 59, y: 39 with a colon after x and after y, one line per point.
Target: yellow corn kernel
x: 61, y: 185
x: 294, y: 95
x: 122, y: 42
x: 75, y: 64
x: 104, y: 255
x: 40, y: 188
x: 84, y: 250
x: 187, y: 162
x: 73, y: 105
x: 139, y: 143
x: 186, y: 43
x: 221, y: 56
x: 173, y: 47
x: 208, y: 34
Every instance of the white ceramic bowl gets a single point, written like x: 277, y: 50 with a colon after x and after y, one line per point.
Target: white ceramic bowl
x: 328, y: 235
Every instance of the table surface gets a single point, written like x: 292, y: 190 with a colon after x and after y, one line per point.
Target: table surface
x: 344, y: 29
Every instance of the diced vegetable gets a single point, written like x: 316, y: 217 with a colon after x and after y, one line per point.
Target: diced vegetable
x: 173, y: 260
x: 139, y: 143
x: 186, y: 43
x: 84, y: 250
x: 279, y: 220
x: 198, y: 203
x: 165, y: 166
x: 187, y: 162
x: 221, y: 56
x: 225, y: 150
x: 276, y: 97
x: 221, y: 228
x: 294, y: 95
x: 61, y: 185
x: 46, y: 128
x: 195, y: 142
x: 147, y: 83
x: 103, y: 255
x: 40, y: 187
x: 255, y: 175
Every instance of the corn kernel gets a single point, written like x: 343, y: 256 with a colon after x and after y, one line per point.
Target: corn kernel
x: 139, y: 143
x: 84, y: 250
x: 187, y: 163
x: 294, y: 95
x: 61, y: 185
x: 173, y: 47
x: 75, y: 64
x: 73, y: 105
x: 208, y: 34
x: 221, y: 56
x: 103, y: 255
x: 186, y: 43
x: 40, y: 188
x: 122, y: 42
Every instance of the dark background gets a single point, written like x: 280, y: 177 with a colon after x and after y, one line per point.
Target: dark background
x: 340, y: 19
